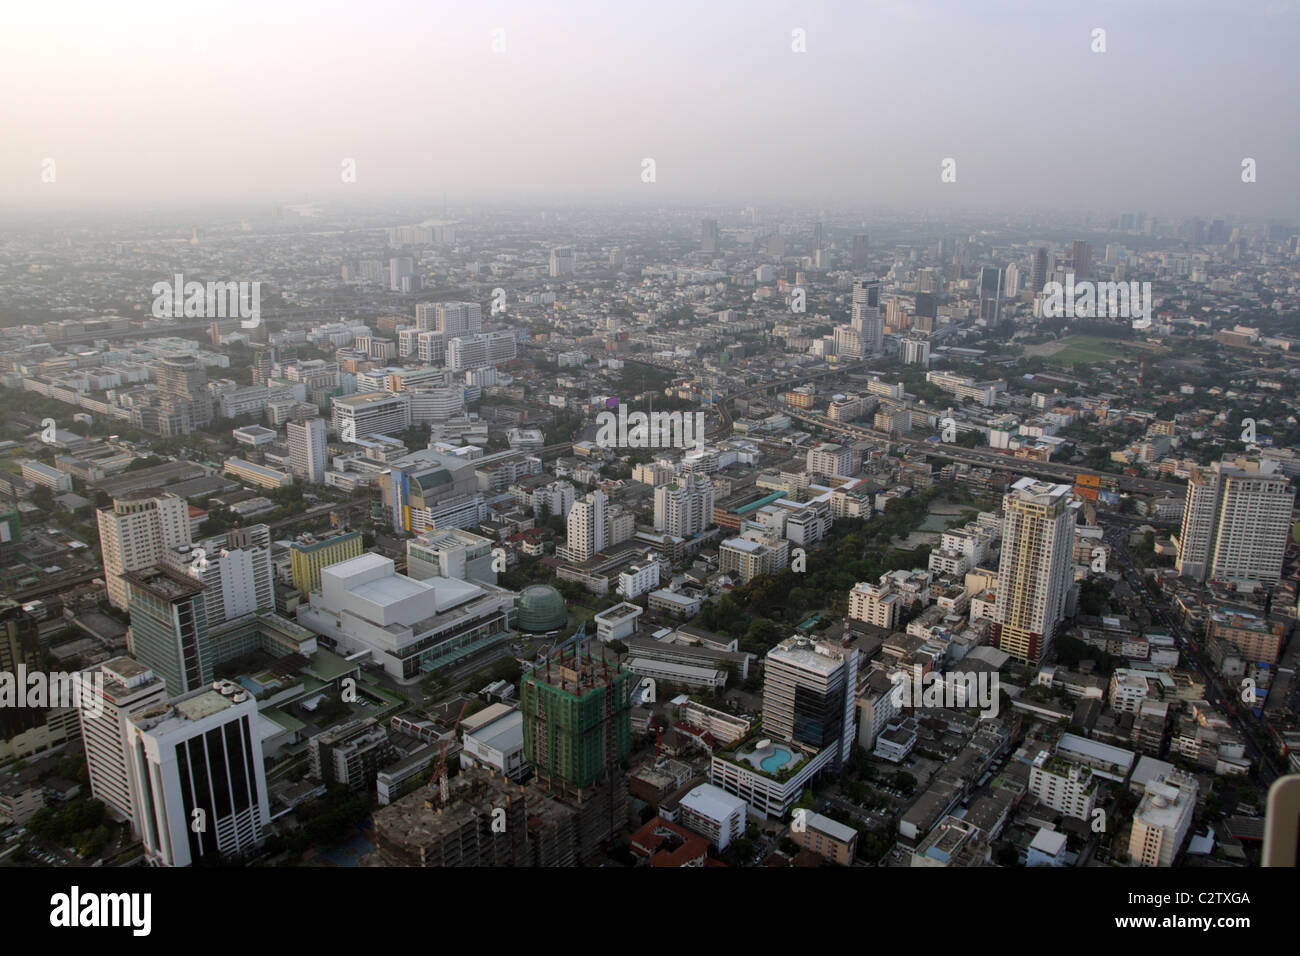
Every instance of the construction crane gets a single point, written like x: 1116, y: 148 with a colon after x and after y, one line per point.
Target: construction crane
x: 579, y: 636
x: 439, y: 777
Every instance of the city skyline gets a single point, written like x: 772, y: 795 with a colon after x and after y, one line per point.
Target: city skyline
x: 1012, y: 91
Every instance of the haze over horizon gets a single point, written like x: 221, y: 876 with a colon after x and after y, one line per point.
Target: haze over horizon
x: 243, y: 102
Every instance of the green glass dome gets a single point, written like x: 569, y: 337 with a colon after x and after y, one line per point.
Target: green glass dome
x: 541, y: 608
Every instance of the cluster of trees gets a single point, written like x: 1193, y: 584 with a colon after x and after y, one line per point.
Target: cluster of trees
x: 325, y: 821
x: 78, y: 823
x: 762, y: 612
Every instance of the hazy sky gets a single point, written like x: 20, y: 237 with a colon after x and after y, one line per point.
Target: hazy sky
x: 170, y: 102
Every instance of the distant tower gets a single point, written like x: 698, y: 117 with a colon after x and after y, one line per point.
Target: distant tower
x: 860, y: 253
x: 194, y: 237
x: 710, y: 238
x: 1038, y: 277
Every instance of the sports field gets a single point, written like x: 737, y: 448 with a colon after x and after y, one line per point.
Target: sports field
x: 1088, y: 348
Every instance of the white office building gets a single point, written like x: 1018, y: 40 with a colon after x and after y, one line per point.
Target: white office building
x: 684, y: 508
x: 712, y: 812
x: 809, y: 695
x: 197, y: 778
x: 371, y: 413
x: 409, y: 627
x: 1066, y: 787
x: 1235, y: 522
x: 134, y: 533
x: 307, y: 449
x: 586, y: 527
x: 1162, y: 819
x: 480, y: 350
x: 128, y: 688
x: 835, y: 461
x: 449, y: 318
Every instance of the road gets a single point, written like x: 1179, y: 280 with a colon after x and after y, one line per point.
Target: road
x: 1217, y: 692
x: 991, y: 459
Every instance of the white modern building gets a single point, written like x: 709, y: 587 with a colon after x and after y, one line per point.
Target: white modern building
x: 235, y: 571
x: 1236, y: 521
x: 127, y: 688
x: 809, y: 694
x: 480, y: 350
x: 409, y: 627
x: 834, y: 461
x: 1064, y: 786
x: 617, y: 622
x: 712, y: 812
x: 494, y: 738
x: 307, y: 450
x: 197, y: 777
x: 1162, y: 820
x: 586, y: 527
x: 450, y: 318
x: 134, y: 533
x: 684, y: 508
x: 451, y: 553
x: 371, y: 413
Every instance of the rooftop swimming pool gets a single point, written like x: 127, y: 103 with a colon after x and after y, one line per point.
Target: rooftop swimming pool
x: 776, y: 760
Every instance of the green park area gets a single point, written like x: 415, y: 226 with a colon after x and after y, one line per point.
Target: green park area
x: 1090, y: 349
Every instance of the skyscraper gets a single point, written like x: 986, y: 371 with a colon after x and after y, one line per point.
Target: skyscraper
x: 990, y: 293
x: 1235, y: 522
x: 183, y: 386
x: 585, y: 528
x: 1080, y: 261
x: 400, y: 268
x: 20, y: 647
x: 128, y: 688
x: 197, y: 778
x: 809, y: 695
x: 685, y: 507
x: 1038, y: 277
x: 307, y: 449
x: 860, y: 253
x: 577, y: 711
x: 235, y: 571
x: 927, y: 305
x: 169, y: 627
x: 1034, y: 575
x: 866, y: 318
x: 1011, y: 284
x: 709, y: 235
x: 134, y: 533
x: 562, y: 261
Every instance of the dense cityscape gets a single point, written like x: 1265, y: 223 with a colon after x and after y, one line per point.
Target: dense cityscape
x: 782, y: 439
x: 366, y: 539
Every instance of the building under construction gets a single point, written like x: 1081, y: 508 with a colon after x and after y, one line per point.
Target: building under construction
x: 484, y: 820
x: 577, y: 711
